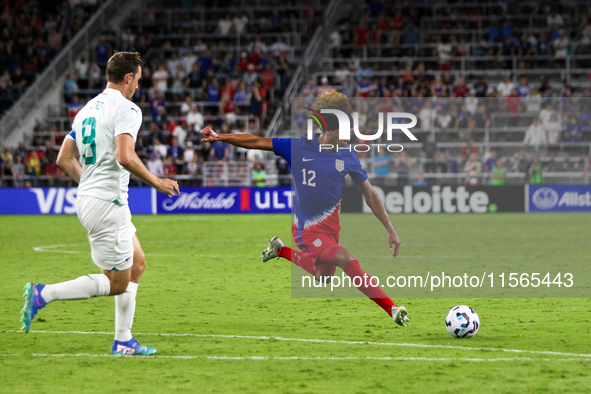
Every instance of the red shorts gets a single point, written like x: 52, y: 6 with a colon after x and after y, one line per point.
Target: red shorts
x: 314, y: 244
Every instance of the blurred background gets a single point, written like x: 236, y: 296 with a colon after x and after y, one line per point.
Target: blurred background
x: 501, y: 88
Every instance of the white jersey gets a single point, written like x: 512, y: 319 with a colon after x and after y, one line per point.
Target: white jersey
x: 95, y: 127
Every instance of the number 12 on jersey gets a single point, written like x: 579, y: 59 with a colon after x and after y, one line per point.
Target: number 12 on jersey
x: 88, y: 136
x: 312, y: 176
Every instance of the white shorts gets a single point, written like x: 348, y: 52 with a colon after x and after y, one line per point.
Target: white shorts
x: 110, y: 232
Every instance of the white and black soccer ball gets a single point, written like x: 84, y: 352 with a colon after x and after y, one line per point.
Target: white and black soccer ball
x: 462, y: 322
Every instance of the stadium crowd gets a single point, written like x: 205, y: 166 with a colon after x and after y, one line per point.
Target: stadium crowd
x: 32, y: 32
x: 194, y: 75
x: 227, y: 70
x: 397, y: 57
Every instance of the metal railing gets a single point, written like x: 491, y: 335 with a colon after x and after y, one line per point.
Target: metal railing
x: 243, y: 179
x: 470, y: 46
x: 476, y: 65
x: 484, y: 178
x: 226, y: 173
x: 484, y: 6
x: 63, y: 62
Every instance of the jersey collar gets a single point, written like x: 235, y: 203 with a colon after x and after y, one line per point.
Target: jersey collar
x: 111, y: 90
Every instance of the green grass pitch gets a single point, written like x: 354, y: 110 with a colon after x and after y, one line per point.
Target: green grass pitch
x: 244, y: 332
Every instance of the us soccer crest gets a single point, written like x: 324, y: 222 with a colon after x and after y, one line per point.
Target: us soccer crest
x: 340, y: 165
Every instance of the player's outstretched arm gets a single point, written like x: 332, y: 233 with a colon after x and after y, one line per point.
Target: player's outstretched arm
x: 248, y: 141
x: 126, y: 156
x: 67, y: 159
x: 377, y: 207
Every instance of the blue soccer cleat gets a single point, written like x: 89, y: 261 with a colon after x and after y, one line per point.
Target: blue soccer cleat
x: 131, y: 348
x: 33, y: 304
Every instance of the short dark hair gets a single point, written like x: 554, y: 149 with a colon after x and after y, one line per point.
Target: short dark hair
x: 121, y: 64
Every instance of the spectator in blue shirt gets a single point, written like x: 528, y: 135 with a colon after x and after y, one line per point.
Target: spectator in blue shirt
x: 380, y: 165
x: 175, y: 151
x: 103, y: 52
x: 506, y: 30
x: 572, y: 133
x: 492, y: 160
x: 494, y: 33
x: 219, y: 151
x: 420, y: 180
x: 213, y: 91
x: 206, y: 61
x: 523, y: 88
x: 411, y: 34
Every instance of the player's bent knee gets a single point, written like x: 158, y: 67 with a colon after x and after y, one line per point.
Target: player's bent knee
x: 118, y: 288
x: 118, y: 281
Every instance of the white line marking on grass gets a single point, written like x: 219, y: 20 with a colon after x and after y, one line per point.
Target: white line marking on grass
x: 446, y: 359
x: 419, y: 345
x: 50, y: 249
x: 298, y: 358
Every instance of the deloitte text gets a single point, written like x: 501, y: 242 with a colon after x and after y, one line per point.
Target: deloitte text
x: 345, y: 127
x: 441, y: 199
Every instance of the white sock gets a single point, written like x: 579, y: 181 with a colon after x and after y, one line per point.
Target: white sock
x: 93, y: 285
x: 124, y: 312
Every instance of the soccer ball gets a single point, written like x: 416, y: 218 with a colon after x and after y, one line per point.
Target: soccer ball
x: 462, y: 322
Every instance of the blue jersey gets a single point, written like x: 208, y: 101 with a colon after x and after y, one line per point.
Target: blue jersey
x: 318, y: 181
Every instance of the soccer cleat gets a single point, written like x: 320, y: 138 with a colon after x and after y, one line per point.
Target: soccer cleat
x: 131, y: 348
x: 400, y: 315
x: 271, y: 252
x: 33, y: 304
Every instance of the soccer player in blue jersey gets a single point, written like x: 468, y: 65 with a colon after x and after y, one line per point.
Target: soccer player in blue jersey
x: 319, y: 180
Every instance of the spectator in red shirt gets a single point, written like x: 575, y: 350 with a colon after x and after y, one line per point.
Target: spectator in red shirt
x: 513, y: 101
x: 227, y: 88
x: 243, y: 62
x: 169, y: 167
x: 408, y: 75
x: 361, y: 34
x: 382, y: 23
x: 375, y: 35
x: 227, y: 109
x: 461, y: 89
x: 307, y: 9
x: 53, y: 173
x: 513, y: 107
x: 397, y: 21
x: 268, y: 77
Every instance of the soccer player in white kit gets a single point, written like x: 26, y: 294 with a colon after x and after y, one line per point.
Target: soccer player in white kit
x: 103, y: 135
